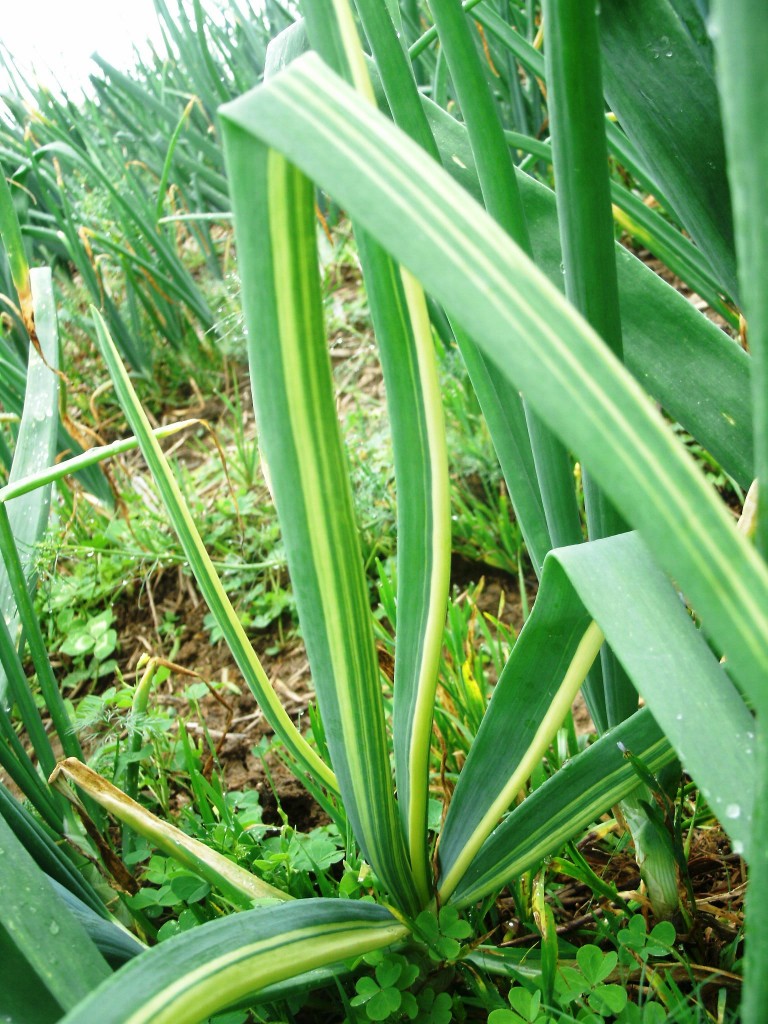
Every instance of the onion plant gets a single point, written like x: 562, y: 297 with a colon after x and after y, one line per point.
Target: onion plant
x: 127, y: 181
x: 445, y: 222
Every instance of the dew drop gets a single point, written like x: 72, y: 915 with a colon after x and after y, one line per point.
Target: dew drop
x: 732, y: 811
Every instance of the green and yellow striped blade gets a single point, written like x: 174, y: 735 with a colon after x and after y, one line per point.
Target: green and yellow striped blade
x: 525, y: 325
x: 415, y: 410
x: 203, y: 569
x: 239, y: 885
x: 299, y: 433
x: 615, y: 583
x: 196, y: 974
x: 572, y: 799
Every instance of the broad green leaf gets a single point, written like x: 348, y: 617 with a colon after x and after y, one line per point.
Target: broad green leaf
x: 686, y: 363
x: 665, y: 97
x: 403, y: 331
x: 501, y: 197
x: 415, y: 410
x: 52, y: 951
x: 49, y: 857
x: 575, y: 796
x: 37, y: 647
x: 10, y: 233
x: 484, y: 280
x: 549, y: 663
x: 615, y: 582
x: 688, y: 691
x: 23, y: 521
x: 196, y: 974
x: 742, y: 28
x: 115, y: 943
x: 36, y: 442
x: 580, y: 162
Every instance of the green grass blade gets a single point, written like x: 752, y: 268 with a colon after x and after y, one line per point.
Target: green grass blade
x: 46, y: 853
x: 202, y: 567
x: 500, y: 403
x: 22, y: 523
x: 194, y: 975
x: 483, y: 279
x: 10, y: 232
x: 580, y: 158
x: 396, y: 73
x: 614, y: 582
x: 501, y: 196
x: 28, y: 515
x: 741, y: 30
x: 689, y: 693
x: 686, y: 363
x: 401, y: 323
x: 695, y: 372
x: 550, y: 661
x: 423, y: 529
x: 34, y: 480
x: 34, y: 637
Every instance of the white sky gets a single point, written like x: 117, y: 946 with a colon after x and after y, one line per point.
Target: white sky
x: 57, y: 37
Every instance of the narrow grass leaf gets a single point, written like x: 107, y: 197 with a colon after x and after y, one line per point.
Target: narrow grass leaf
x: 740, y: 33
x: 575, y: 796
x: 409, y: 364
x: 549, y: 663
x: 224, y: 874
x: 692, y: 368
x: 202, y: 567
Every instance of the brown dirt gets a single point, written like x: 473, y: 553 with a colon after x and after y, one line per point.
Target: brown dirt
x: 230, y: 716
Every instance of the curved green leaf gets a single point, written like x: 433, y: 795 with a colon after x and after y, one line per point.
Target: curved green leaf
x: 576, y: 795
x: 299, y: 433
x: 666, y: 99
x: 484, y: 280
x: 200, y: 972
x: 403, y: 331
x: 409, y: 364
x: 53, y: 950
x: 240, y: 885
x: 616, y: 583
x: 36, y: 442
x: 691, y: 367
x: 740, y: 33
x: 202, y: 567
